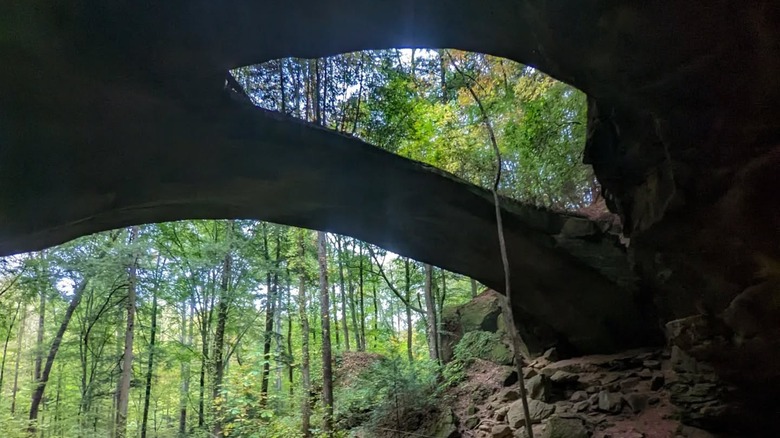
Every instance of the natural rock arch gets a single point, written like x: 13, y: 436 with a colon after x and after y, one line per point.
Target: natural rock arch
x: 115, y: 113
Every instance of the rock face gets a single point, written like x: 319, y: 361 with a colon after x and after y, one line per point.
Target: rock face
x: 684, y: 116
x: 481, y: 314
x: 559, y: 427
x: 539, y: 411
x: 445, y: 427
x: 602, y: 396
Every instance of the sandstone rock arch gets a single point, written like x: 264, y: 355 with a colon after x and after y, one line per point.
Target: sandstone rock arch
x: 115, y: 113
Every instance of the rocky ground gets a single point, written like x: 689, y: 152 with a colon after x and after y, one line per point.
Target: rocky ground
x: 636, y: 394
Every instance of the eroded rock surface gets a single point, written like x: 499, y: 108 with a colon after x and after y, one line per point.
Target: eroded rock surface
x: 115, y: 114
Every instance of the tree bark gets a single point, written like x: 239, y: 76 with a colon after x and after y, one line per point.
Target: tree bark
x: 219, y: 343
x: 5, y: 346
x: 334, y: 303
x: 408, y: 307
x: 440, y: 312
x: 376, y: 312
x: 185, y: 339
x: 430, y: 307
x: 342, y: 293
x: 37, y: 395
x: 150, y: 364
x: 327, y: 361
x: 290, y: 358
x: 41, y: 329
x: 353, y: 312
x: 15, y: 389
x: 362, y: 346
x: 278, y: 333
x: 509, y: 320
x: 123, y: 396
x: 283, y: 105
x: 305, y: 377
x: 473, y: 288
x: 271, y: 290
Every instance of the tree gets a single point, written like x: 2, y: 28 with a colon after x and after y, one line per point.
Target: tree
x: 219, y: 341
x: 37, y: 396
x: 305, y: 379
x: 430, y: 307
x: 196, y: 289
x: 327, y: 360
x: 123, y: 388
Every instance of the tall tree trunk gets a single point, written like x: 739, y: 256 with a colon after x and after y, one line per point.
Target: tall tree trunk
x: 359, y: 94
x: 290, y: 358
x: 305, y: 377
x: 204, y: 355
x: 37, y: 395
x: 408, y: 294
x: 442, y: 76
x: 278, y: 333
x: 185, y: 339
x: 150, y: 364
x: 473, y: 288
x: 362, y: 346
x: 316, y: 98
x: 57, y: 423
x: 39, y: 342
x: 219, y: 343
x: 340, y: 259
x: 509, y: 322
x: 5, y: 346
x: 376, y: 312
x: 334, y: 303
x: 283, y: 105
x: 271, y: 288
x: 15, y: 388
x: 352, y: 312
x: 205, y: 331
x: 327, y: 371
x: 440, y: 312
x: 123, y: 396
x: 430, y: 307
x: 323, y: 99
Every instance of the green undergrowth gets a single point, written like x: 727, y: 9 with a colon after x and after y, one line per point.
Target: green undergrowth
x: 391, y: 395
x: 474, y: 345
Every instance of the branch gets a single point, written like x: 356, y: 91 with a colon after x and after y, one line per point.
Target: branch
x: 11, y: 284
x: 406, y: 302
x: 507, y: 308
x: 240, y: 336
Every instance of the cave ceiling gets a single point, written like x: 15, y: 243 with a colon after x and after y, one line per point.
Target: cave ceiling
x: 115, y: 113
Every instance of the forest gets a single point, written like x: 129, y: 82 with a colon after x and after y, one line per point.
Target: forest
x: 212, y: 328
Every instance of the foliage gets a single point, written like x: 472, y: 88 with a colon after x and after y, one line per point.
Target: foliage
x: 243, y: 281
x: 391, y: 394
x: 475, y: 344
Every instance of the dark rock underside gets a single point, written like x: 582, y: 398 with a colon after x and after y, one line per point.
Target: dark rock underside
x: 114, y: 113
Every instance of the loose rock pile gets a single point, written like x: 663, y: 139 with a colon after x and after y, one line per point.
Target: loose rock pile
x: 637, y: 394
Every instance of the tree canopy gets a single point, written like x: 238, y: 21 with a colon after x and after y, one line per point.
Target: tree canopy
x: 230, y: 328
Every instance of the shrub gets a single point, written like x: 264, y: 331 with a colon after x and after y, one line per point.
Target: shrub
x: 391, y: 394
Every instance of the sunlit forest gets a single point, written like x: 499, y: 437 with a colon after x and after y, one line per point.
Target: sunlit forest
x: 239, y: 327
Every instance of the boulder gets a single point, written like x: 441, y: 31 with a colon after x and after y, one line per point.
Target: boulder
x: 482, y: 313
x: 564, y: 378
x: 578, y: 396
x: 537, y: 409
x: 446, y: 426
x: 501, y: 431
x: 636, y: 401
x: 508, y: 395
x: 610, y: 402
x: 558, y: 427
x: 538, y: 387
